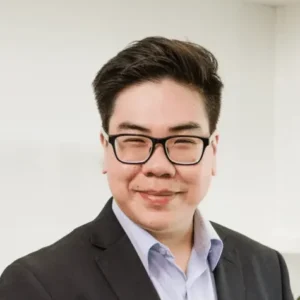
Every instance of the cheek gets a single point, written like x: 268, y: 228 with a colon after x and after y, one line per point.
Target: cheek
x: 198, y: 178
x: 120, y: 175
x: 195, y: 174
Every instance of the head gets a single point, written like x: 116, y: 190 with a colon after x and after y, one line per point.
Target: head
x: 159, y: 88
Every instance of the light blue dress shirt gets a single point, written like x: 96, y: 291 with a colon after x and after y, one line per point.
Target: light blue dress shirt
x: 169, y: 280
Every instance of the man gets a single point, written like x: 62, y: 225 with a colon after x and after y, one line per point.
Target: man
x: 159, y: 101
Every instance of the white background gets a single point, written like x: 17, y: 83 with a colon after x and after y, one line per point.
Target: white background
x: 287, y: 138
x: 50, y: 156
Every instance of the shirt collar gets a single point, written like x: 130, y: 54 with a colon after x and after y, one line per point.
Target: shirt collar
x: 207, y: 243
x: 142, y: 240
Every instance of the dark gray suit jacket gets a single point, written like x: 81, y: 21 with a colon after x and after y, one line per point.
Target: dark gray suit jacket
x: 97, y: 262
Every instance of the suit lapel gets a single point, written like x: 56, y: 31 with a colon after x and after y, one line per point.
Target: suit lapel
x: 228, y: 273
x: 125, y: 272
x: 119, y: 261
x: 120, y: 264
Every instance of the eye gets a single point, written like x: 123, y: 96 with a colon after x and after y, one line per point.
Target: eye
x: 134, y: 140
x: 185, y: 141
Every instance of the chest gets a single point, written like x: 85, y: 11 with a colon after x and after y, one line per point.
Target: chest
x: 172, y: 283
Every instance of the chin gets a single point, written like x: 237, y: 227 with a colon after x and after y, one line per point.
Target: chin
x: 155, y: 222
x: 156, y: 228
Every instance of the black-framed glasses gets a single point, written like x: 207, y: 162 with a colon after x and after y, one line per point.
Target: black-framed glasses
x: 138, y: 148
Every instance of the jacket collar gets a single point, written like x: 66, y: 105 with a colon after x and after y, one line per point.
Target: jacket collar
x: 126, y: 274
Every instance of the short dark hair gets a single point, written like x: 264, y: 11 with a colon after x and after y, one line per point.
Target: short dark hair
x: 155, y: 58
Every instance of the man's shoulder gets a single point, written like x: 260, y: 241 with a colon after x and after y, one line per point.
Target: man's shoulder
x: 74, y: 251
x: 59, y: 256
x: 237, y: 241
x: 62, y: 269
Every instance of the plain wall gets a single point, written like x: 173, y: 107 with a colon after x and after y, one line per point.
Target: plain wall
x: 287, y: 122
x: 287, y: 139
x: 50, y: 154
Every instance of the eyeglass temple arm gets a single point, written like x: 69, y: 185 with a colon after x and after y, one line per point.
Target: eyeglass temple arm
x: 104, y: 134
x: 212, y: 136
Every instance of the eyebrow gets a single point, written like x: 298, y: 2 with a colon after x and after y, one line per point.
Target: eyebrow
x: 173, y: 129
x: 185, y: 126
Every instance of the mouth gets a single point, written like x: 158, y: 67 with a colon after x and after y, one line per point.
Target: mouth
x: 161, y: 197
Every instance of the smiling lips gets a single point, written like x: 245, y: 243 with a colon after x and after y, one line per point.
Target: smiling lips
x: 158, y: 197
x: 158, y: 193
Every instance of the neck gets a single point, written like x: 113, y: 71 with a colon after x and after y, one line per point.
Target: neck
x: 180, y: 243
x: 182, y: 239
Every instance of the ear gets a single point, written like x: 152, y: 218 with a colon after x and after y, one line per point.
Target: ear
x: 104, y: 144
x: 214, y: 145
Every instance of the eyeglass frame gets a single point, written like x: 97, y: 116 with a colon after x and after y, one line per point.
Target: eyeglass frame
x: 111, y: 139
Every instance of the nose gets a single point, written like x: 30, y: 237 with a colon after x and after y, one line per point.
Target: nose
x: 158, y: 164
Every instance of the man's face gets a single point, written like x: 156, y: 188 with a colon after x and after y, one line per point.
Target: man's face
x: 157, y: 107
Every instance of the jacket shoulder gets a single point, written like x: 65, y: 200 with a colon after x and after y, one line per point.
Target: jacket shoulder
x: 262, y: 266
x: 236, y: 240
x: 58, y: 256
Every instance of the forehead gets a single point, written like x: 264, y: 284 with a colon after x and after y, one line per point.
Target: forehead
x: 159, y: 106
